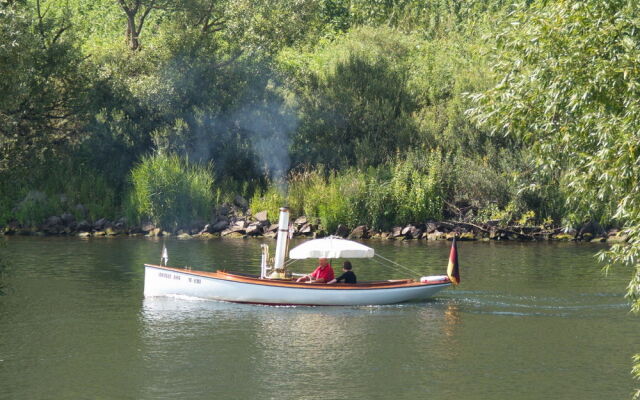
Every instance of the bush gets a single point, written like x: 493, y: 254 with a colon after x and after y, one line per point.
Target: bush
x: 404, y: 191
x: 35, y: 208
x: 54, y: 187
x: 270, y: 201
x: 417, y: 188
x: 170, y: 191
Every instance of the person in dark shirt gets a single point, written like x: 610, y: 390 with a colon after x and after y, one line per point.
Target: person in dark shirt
x: 348, y: 276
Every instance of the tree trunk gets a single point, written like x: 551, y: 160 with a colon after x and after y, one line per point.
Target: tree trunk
x: 132, y: 34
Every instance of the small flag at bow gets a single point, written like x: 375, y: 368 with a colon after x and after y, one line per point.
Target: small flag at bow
x: 452, y: 269
x: 165, y: 256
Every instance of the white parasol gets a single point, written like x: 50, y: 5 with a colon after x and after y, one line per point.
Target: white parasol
x: 331, y: 247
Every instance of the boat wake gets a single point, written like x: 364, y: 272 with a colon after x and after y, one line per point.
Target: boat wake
x: 580, y: 305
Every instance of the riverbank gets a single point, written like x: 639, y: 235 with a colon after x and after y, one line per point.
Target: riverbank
x: 232, y: 222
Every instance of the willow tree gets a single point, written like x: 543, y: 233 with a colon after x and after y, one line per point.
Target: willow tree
x: 571, y: 89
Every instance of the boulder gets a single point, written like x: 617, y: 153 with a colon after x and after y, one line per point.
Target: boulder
x: 592, y: 227
x: 431, y: 227
x: 219, y: 226
x: 241, y: 203
x: 238, y: 226
x: 407, y: 230
x: 223, y: 210
x: 235, y: 229
x: 617, y: 237
x: 208, y: 228
x: 467, y: 236
x: 230, y: 233
x: 294, y: 230
x: 184, y: 235
x: 319, y: 234
x: 100, y: 224
x: 53, y: 221
x: 254, y: 229
x: 67, y: 219
x: 342, y: 231
x: 396, y: 231
x: 121, y: 224
x: 436, y: 235
x: 147, y: 226
x: 564, y: 237
x: 360, y: 232
x: 306, y: 229
x: 12, y: 227
x: 84, y: 234
x: 261, y: 216
x: 272, y: 228
x: 83, y: 226
x: 53, y: 225
x: 301, y: 221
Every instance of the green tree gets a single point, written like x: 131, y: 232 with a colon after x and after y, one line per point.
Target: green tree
x: 42, y: 86
x: 570, y: 87
x: 353, y: 101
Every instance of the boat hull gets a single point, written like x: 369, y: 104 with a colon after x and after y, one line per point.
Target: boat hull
x: 164, y: 281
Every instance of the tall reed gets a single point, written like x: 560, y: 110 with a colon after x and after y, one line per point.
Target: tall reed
x: 170, y: 191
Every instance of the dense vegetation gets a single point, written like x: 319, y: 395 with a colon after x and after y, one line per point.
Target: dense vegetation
x: 355, y: 112
x: 368, y: 98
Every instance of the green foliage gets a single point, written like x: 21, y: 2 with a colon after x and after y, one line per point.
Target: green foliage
x: 352, y: 100
x: 270, y: 201
x: 54, y: 187
x: 570, y: 88
x: 42, y: 87
x: 417, y: 188
x: 170, y: 191
x: 582, y: 123
x: 35, y: 208
x: 408, y: 190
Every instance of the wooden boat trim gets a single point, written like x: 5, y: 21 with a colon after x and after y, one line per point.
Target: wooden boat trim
x: 255, y: 280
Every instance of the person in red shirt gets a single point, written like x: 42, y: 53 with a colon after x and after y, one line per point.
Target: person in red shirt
x: 322, y: 274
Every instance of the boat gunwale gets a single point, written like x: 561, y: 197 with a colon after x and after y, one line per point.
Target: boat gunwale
x: 255, y: 280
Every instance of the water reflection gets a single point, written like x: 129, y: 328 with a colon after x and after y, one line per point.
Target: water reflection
x: 312, y: 346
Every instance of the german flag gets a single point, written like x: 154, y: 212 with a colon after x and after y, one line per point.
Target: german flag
x: 452, y: 269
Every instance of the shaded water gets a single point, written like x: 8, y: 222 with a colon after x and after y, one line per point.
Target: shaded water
x: 530, y: 321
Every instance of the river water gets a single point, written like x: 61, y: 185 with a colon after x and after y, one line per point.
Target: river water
x: 529, y: 321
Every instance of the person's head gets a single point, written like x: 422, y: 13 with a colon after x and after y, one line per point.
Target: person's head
x: 323, y: 262
x: 346, y: 266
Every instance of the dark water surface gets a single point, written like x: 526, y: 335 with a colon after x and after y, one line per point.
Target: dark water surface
x: 530, y: 321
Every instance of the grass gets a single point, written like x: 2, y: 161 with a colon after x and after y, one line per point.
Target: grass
x: 170, y: 191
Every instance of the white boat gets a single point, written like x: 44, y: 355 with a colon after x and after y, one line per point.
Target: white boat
x: 276, y: 285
